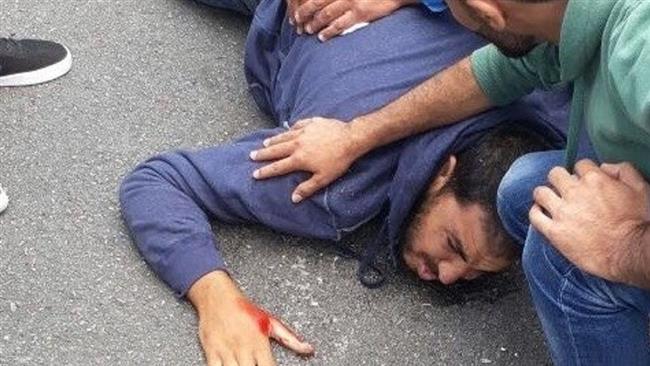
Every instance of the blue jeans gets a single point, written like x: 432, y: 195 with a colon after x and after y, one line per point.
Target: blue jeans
x: 587, y: 320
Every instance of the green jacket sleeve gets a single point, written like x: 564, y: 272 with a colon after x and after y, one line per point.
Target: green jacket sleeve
x: 505, y: 79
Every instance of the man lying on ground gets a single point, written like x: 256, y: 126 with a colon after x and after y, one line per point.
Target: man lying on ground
x: 437, y: 188
x: 584, y: 225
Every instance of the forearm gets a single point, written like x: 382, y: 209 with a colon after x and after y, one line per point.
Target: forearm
x: 167, y: 222
x: 451, y: 95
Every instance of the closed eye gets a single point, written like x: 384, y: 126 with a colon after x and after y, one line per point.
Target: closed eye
x: 455, y: 246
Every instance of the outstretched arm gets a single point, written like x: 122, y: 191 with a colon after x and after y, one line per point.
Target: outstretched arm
x: 167, y: 203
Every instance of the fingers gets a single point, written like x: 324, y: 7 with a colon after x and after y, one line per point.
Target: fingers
x: 337, y: 27
x: 326, y: 16
x: 585, y: 166
x: 292, y: 5
x: 280, y: 138
x: 561, y: 180
x: 280, y: 167
x: 540, y: 221
x: 307, y: 188
x: 264, y: 357
x: 288, y: 339
x: 273, y: 152
x: 228, y: 359
x: 213, y: 359
x: 547, y: 199
x: 305, y: 12
x: 245, y: 358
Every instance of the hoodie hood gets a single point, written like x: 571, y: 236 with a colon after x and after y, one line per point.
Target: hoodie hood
x: 543, y: 113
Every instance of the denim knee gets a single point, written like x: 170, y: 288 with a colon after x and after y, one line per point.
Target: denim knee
x: 543, y: 265
x: 515, y: 193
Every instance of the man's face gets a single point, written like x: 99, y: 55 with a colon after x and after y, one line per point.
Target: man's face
x: 448, y: 242
x: 510, y: 44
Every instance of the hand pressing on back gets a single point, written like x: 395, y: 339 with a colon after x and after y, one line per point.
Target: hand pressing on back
x: 330, y: 18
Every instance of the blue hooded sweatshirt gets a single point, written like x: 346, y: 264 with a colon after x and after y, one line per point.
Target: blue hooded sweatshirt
x: 169, y: 200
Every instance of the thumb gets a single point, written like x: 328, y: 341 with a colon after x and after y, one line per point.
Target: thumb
x: 307, y: 188
x: 626, y: 173
x: 613, y: 170
x: 288, y: 339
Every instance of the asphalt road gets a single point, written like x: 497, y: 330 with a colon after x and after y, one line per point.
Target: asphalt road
x: 149, y: 76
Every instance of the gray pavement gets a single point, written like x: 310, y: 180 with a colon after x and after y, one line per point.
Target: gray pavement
x: 152, y: 75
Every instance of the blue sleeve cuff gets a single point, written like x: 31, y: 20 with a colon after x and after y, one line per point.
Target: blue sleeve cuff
x: 190, y: 261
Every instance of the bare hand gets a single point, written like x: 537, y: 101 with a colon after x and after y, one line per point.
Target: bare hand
x: 235, y: 332
x: 321, y: 146
x: 595, y: 218
x: 330, y: 18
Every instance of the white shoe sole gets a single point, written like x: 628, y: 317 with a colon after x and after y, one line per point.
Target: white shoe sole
x: 4, y: 200
x: 39, y: 76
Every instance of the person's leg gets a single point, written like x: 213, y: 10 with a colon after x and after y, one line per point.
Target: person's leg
x: 32, y: 61
x: 245, y: 7
x: 515, y: 198
x: 586, y: 320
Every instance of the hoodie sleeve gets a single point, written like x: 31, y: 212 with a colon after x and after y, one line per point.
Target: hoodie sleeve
x: 168, y: 202
x: 162, y: 203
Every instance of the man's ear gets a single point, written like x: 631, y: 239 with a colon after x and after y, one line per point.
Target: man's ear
x: 490, y: 12
x: 444, y: 174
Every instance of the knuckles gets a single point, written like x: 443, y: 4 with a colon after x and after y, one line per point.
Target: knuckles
x: 584, y: 163
x: 594, y: 178
x: 323, y: 16
x: 556, y: 173
x: 295, y: 144
x: 319, y: 4
x: 538, y: 193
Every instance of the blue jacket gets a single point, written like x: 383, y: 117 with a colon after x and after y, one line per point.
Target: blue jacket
x: 168, y: 201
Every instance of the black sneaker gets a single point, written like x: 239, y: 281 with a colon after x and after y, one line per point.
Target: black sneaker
x: 31, y: 61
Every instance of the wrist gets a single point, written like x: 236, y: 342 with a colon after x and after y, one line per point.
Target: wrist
x: 634, y: 267
x: 361, y: 139
x: 213, y: 290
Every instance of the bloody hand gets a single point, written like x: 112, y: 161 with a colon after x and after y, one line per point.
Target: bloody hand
x: 232, y: 330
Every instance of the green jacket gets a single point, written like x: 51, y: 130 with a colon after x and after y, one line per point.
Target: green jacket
x: 604, y: 50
